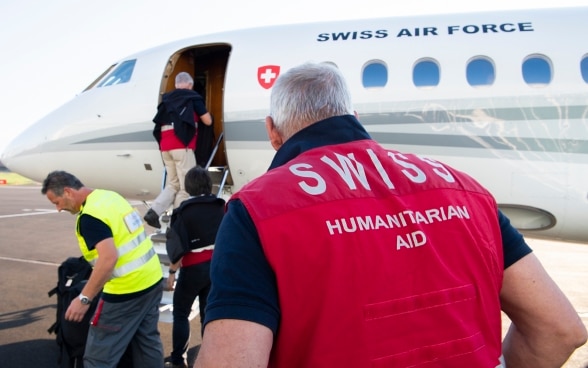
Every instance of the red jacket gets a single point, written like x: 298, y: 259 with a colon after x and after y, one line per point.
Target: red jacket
x: 381, y: 259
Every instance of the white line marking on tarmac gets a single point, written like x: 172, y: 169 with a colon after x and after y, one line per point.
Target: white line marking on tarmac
x: 37, y: 212
x: 35, y: 187
x: 28, y: 261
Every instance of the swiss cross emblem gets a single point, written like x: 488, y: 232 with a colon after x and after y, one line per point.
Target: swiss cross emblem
x: 267, y: 75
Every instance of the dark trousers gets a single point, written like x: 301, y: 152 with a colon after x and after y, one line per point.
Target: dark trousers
x: 192, y: 281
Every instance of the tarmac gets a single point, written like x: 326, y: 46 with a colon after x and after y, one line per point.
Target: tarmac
x: 35, y: 239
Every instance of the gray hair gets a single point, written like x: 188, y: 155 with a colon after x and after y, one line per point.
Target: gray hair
x: 307, y: 94
x: 56, y: 181
x: 184, y: 78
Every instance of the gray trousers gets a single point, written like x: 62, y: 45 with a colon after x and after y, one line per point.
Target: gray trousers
x: 116, y: 325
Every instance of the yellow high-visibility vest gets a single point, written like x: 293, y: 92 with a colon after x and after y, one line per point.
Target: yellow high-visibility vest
x: 137, y: 267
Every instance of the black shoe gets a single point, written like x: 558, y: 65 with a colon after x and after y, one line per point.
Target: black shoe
x: 152, y: 218
x: 172, y: 365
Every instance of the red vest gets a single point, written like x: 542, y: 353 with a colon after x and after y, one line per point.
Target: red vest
x: 169, y: 141
x: 382, y: 259
x: 194, y: 258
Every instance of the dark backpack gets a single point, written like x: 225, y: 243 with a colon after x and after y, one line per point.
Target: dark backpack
x: 72, y: 275
x: 193, y: 225
x: 177, y: 241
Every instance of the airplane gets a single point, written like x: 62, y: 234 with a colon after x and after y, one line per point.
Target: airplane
x: 502, y: 96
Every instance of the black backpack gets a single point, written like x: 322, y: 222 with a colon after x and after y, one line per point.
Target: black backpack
x: 72, y: 275
x: 193, y: 225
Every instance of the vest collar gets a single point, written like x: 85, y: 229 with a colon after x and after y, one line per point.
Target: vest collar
x: 334, y: 130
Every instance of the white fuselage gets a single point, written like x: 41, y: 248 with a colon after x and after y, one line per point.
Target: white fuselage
x: 527, y: 142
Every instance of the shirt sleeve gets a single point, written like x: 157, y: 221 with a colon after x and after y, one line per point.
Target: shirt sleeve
x: 199, y: 107
x: 243, y: 283
x: 513, y: 243
x: 93, y: 230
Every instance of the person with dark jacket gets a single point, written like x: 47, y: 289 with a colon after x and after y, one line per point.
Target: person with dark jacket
x: 199, y: 217
x: 175, y: 131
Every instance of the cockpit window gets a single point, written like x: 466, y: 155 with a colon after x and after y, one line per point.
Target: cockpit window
x: 121, y: 74
x: 93, y: 84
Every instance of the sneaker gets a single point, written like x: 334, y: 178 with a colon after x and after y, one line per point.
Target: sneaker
x: 152, y: 218
x: 172, y: 365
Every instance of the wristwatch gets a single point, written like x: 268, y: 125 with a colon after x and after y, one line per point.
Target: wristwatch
x: 84, y: 299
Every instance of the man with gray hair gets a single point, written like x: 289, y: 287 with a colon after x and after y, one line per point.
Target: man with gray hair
x: 176, y: 127
x: 349, y: 254
x: 126, y: 277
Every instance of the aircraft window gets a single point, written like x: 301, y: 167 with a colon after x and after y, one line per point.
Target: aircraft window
x: 375, y: 74
x: 584, y: 68
x: 426, y: 73
x: 121, y: 74
x: 99, y: 77
x: 537, y: 70
x: 480, y: 72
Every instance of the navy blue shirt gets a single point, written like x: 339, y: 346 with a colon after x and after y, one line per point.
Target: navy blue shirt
x: 248, y: 291
x: 93, y: 230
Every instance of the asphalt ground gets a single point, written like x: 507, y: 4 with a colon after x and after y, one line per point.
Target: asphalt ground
x: 35, y: 239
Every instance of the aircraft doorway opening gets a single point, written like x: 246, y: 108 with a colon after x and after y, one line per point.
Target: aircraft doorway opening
x: 207, y: 65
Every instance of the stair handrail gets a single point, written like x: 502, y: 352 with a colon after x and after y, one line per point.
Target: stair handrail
x: 218, y: 141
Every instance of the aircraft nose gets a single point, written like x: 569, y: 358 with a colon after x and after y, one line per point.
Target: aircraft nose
x: 11, y: 152
x: 23, y: 155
